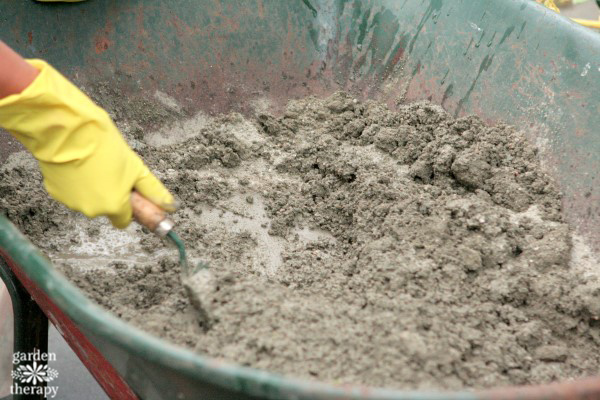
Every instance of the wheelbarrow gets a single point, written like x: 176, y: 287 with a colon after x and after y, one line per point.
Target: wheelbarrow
x: 513, y: 61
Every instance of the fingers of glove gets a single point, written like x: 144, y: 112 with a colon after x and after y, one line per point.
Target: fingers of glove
x: 84, y: 204
x: 151, y: 188
x: 123, y: 218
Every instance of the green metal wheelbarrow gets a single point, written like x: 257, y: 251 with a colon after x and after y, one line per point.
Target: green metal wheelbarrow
x: 510, y: 60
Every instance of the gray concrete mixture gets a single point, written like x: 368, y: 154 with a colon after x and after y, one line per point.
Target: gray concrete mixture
x: 350, y: 243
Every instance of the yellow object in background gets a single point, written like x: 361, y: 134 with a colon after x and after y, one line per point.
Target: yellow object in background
x: 86, y: 163
x: 587, y: 22
x: 550, y: 4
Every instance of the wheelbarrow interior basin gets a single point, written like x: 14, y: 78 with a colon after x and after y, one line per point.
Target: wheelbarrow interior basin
x: 512, y: 61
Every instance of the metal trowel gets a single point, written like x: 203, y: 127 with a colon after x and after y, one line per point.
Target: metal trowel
x: 198, y: 281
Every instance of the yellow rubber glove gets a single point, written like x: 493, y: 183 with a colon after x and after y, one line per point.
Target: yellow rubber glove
x: 86, y: 163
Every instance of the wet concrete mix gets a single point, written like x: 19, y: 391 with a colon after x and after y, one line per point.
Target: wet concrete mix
x: 350, y: 243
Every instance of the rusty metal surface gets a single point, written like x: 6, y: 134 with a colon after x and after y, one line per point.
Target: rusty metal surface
x: 208, y: 54
x: 584, y: 389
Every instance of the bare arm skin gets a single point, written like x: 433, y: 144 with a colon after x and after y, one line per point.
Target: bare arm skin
x: 15, y: 73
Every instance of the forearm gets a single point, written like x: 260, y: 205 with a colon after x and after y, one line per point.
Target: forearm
x: 15, y: 73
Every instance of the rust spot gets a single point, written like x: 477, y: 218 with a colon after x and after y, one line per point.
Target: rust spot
x: 183, y: 30
x: 29, y: 37
x: 588, y: 388
x: 102, y: 44
x: 261, y: 9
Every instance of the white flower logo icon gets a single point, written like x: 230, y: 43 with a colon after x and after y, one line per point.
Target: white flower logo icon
x: 35, y: 373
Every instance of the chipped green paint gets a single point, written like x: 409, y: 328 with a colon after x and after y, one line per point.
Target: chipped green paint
x: 310, y: 7
x: 484, y: 66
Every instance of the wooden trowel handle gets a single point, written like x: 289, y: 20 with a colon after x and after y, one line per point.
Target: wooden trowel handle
x: 149, y: 214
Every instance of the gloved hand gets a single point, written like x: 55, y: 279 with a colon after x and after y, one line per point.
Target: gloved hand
x: 86, y: 163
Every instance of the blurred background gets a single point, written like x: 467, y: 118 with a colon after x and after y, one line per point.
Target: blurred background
x: 585, y: 9
x: 580, y: 9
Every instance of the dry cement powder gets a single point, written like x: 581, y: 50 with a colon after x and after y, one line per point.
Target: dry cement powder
x: 350, y: 243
